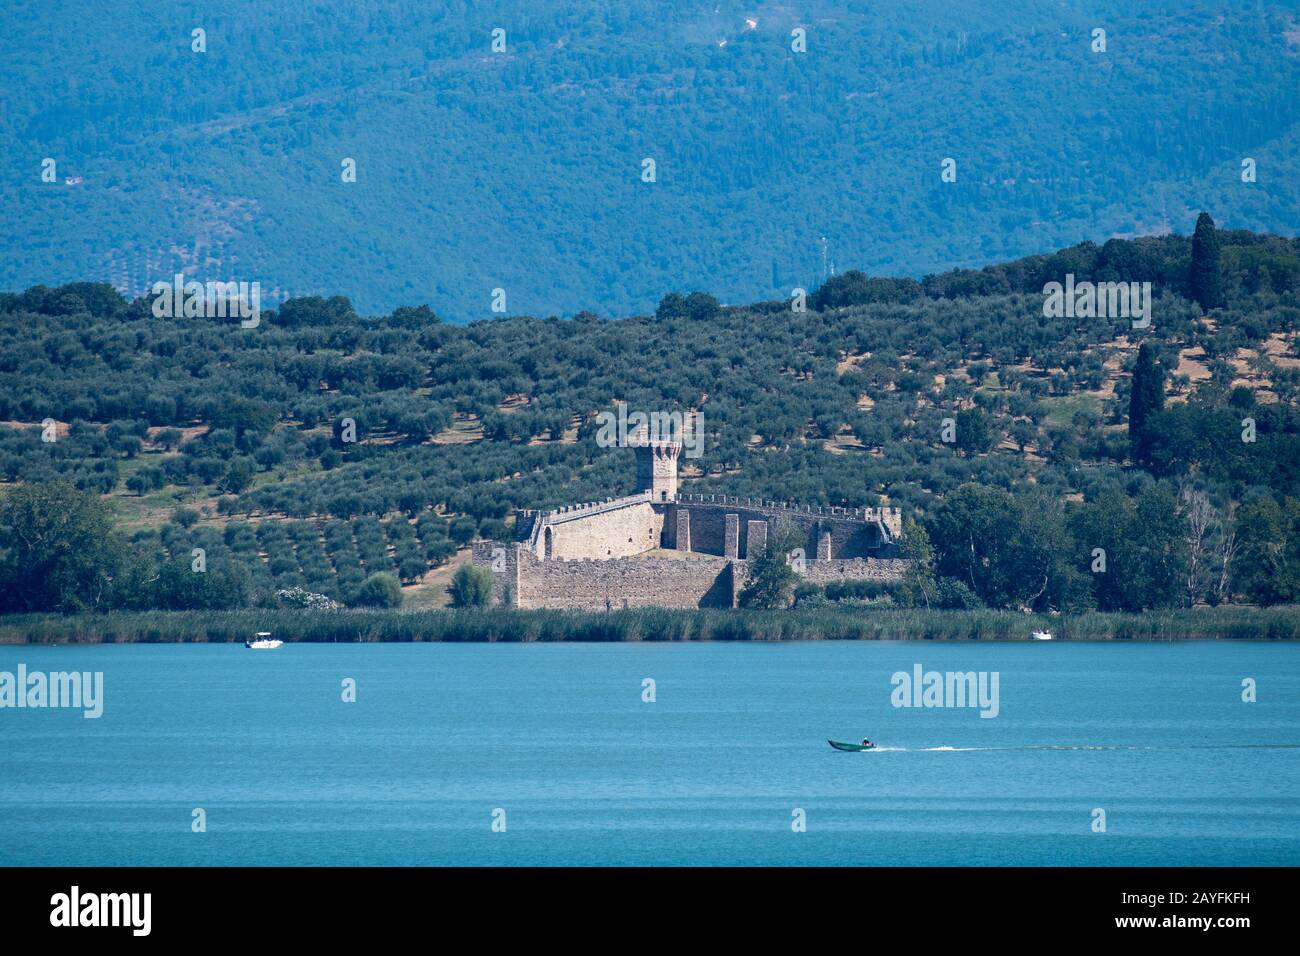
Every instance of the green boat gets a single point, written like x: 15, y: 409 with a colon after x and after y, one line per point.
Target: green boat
x: 857, y: 748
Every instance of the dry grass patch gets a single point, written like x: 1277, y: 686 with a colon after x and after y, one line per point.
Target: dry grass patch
x: 1194, y: 364
x: 463, y: 430
x: 849, y: 361
x: 431, y: 590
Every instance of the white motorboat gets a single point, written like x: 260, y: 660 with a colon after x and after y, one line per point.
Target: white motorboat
x: 1042, y: 635
x: 263, y: 642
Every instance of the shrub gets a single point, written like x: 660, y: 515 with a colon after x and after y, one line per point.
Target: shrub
x: 412, y: 568
x: 378, y: 590
x: 471, y: 586
x: 772, y: 580
x: 956, y: 595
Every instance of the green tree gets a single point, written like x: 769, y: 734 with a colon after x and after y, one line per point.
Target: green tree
x: 463, y: 529
x: 973, y: 531
x: 856, y: 288
x: 1146, y: 398
x: 185, y: 517
x: 168, y: 438
x: 1023, y: 433
x: 919, y: 587
x: 1143, y: 544
x: 179, y: 587
x: 135, y: 583
x: 145, y: 480
x: 1206, y: 277
x: 1043, y: 559
x: 953, y: 595
x: 701, y: 306
x: 1267, y: 570
x: 1010, y: 550
x: 238, y: 476
x: 471, y: 586
x: 378, y: 590
x: 1101, y: 528
x: 1158, y: 557
x: 58, y: 550
x: 771, y: 578
x: 975, y: 432
x: 672, y: 306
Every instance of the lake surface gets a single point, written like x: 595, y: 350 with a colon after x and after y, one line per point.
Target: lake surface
x: 712, y: 772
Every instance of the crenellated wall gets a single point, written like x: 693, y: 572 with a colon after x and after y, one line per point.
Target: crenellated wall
x: 851, y: 537
x: 596, y: 529
x: 616, y: 533
x: 656, y: 468
x: 593, y: 555
x: 524, y: 581
x: 890, y: 518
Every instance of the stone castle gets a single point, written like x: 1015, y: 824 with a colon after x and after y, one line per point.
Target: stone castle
x: 659, y: 548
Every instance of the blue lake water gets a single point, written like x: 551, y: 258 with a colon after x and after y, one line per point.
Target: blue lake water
x: 712, y: 772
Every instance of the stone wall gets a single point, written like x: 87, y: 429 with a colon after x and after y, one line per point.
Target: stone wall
x: 615, y: 530
x: 502, y: 559
x: 890, y: 518
x: 618, y: 583
x: 591, y: 556
x: 611, y: 584
x: 850, y: 537
x: 620, y: 527
x: 656, y: 468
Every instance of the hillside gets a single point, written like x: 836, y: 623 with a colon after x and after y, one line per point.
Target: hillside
x: 521, y: 170
x: 201, y: 433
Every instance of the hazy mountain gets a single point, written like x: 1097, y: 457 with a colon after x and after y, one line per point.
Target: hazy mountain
x: 522, y: 170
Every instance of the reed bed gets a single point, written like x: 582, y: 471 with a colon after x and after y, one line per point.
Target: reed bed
x: 646, y: 624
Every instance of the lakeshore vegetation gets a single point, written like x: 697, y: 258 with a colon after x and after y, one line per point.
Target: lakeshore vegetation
x: 1046, y: 463
x: 643, y: 624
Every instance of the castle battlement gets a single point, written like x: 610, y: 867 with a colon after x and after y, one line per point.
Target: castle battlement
x: 570, y: 512
x: 597, y: 553
x: 890, y: 519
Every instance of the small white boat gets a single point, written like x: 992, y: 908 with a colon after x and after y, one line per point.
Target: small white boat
x: 263, y: 642
x: 1042, y: 635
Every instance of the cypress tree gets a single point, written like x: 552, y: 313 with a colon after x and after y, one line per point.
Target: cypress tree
x: 1146, y: 398
x: 1206, y: 279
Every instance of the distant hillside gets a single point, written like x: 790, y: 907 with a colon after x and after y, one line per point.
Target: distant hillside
x: 200, y: 431
x: 522, y: 170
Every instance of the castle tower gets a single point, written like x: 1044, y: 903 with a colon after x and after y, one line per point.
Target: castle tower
x: 656, y: 468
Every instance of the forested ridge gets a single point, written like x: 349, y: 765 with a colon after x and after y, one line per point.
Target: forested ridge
x: 522, y: 170
x: 200, y: 433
